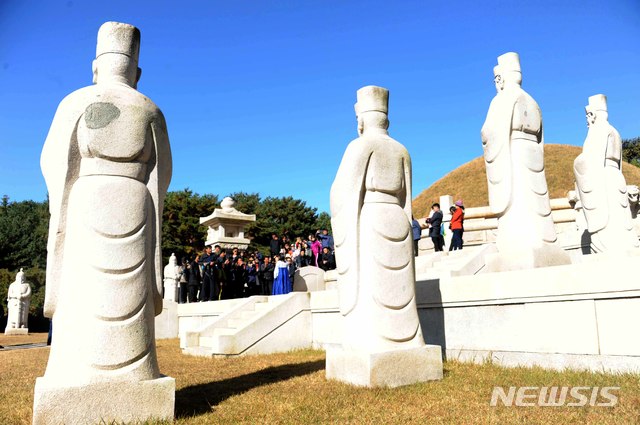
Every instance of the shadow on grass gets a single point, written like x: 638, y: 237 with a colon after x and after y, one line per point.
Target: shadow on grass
x: 198, y: 399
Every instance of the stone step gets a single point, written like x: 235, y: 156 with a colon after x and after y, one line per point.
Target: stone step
x: 221, y: 331
x: 256, y: 325
x: 237, y: 323
x: 248, y: 314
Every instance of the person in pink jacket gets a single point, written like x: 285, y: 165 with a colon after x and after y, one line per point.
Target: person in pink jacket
x: 316, y: 247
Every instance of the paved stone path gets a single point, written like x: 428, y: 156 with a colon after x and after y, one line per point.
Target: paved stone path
x: 22, y: 346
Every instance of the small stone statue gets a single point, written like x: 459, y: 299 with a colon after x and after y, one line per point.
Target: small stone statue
x: 371, y: 220
x: 107, y: 165
x: 512, y: 140
x: 18, y: 298
x: 172, y: 274
x: 601, y: 185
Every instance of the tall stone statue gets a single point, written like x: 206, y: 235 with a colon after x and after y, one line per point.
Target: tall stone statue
x: 107, y: 165
x: 18, y: 298
x: 513, y: 145
x: 371, y: 220
x: 172, y: 279
x: 601, y: 185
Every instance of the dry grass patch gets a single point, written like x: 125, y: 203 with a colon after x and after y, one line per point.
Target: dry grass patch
x: 469, y: 181
x: 22, y: 339
x: 291, y: 388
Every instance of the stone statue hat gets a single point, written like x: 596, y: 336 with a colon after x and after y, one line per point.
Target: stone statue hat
x: 20, y: 276
x: 372, y: 98
x: 597, y: 102
x: 116, y: 37
x: 508, y: 62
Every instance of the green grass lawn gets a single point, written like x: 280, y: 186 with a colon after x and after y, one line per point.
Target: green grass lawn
x: 291, y: 388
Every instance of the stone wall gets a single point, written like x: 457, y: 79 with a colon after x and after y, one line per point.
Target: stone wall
x: 575, y: 316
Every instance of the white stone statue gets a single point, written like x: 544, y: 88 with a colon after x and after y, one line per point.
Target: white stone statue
x: 371, y: 220
x: 18, y: 298
x: 512, y: 139
x: 107, y: 165
x: 172, y: 273
x: 601, y: 185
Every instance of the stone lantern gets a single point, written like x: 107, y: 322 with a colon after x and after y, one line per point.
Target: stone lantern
x: 226, y: 226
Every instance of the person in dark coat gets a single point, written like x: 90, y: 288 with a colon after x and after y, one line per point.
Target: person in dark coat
x: 209, y: 283
x: 238, y: 278
x: 226, y: 277
x: 266, y: 276
x: 435, y: 231
x: 274, y: 245
x: 291, y: 267
x: 416, y: 229
x: 193, y: 279
x: 302, y: 260
x: 327, y: 260
x: 253, y: 285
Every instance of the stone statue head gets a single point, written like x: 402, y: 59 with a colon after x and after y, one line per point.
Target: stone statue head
x: 497, y: 79
x: 507, y: 71
x: 20, y: 278
x: 372, y: 108
x: 117, y: 53
x: 596, y: 109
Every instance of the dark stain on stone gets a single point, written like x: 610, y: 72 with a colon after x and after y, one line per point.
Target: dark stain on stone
x: 100, y: 114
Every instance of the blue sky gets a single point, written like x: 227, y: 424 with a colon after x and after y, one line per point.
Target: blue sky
x: 259, y: 95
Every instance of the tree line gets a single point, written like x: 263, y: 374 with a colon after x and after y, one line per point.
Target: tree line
x: 631, y: 151
x: 24, y: 228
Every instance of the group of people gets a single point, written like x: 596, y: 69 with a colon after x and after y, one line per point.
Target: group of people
x: 218, y: 274
x: 317, y: 250
x: 436, y: 228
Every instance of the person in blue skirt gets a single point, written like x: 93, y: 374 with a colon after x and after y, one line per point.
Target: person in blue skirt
x: 281, y: 282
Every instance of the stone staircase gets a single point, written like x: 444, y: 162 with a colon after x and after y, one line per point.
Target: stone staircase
x: 468, y: 261
x: 258, y: 325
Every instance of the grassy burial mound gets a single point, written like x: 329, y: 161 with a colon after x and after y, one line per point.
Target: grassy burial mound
x: 469, y: 182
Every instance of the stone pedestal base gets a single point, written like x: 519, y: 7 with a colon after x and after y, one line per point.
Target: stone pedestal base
x: 104, y: 402
x: 166, y: 325
x: 392, y: 368
x: 16, y: 331
x: 546, y: 256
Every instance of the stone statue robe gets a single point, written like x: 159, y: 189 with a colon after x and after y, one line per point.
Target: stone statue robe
x: 371, y: 221
x: 603, y: 190
x: 18, y: 300
x: 107, y: 165
x: 512, y: 140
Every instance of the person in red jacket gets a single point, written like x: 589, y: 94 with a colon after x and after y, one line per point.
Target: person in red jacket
x: 456, y: 226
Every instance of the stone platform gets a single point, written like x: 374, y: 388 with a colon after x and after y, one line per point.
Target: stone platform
x: 392, y: 368
x: 104, y: 402
x: 577, y: 316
